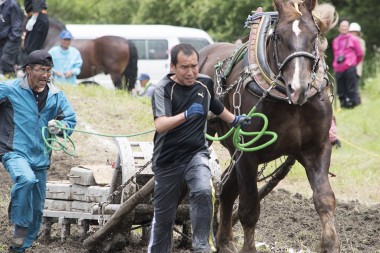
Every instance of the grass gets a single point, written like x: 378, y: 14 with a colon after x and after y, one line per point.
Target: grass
x: 356, y: 164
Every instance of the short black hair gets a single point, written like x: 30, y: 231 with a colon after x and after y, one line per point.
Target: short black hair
x: 187, y: 49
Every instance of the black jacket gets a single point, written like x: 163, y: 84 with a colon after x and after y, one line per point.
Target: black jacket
x: 11, y: 19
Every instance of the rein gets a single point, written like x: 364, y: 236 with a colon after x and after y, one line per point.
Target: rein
x: 314, y: 55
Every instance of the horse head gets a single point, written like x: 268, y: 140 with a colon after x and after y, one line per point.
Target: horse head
x: 294, y: 54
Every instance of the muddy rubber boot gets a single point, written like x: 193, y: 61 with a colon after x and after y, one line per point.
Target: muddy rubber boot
x: 19, y: 236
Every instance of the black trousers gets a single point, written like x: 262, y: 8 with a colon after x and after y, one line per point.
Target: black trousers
x: 348, y: 88
x: 9, y: 50
x: 35, y: 38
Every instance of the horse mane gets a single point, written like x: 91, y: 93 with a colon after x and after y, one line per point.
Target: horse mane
x: 326, y: 18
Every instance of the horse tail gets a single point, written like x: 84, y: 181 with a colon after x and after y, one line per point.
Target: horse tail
x: 130, y: 72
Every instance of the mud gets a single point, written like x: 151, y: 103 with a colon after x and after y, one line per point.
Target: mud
x: 288, y: 223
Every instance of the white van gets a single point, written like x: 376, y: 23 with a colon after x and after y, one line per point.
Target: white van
x: 153, y: 44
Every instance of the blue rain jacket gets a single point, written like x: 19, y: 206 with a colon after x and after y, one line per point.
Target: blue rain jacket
x: 21, y: 124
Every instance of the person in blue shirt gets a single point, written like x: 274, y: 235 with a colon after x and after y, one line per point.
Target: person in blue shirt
x: 67, y: 60
x: 11, y: 19
x: 29, y: 106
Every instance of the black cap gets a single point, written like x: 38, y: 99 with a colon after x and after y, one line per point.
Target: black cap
x: 40, y: 57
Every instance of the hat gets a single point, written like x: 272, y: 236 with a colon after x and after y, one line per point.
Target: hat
x: 66, y: 35
x: 354, y: 27
x: 144, y: 76
x: 40, y: 57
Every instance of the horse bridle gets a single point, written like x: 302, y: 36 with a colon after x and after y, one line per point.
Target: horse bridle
x: 314, y: 55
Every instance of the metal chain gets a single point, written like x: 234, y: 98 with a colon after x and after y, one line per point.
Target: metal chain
x: 218, y: 77
x: 117, y: 192
x: 236, y: 98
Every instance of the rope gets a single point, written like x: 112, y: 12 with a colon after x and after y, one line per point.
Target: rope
x: 52, y: 142
x: 238, y: 135
x: 355, y: 146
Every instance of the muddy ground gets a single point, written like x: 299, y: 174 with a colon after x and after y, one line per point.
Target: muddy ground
x: 288, y: 222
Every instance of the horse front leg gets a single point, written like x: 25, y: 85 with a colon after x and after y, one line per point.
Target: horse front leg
x: 249, y: 203
x: 228, y: 195
x: 317, y: 168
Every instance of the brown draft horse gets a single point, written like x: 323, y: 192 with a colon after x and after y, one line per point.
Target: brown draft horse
x: 108, y: 54
x: 298, y: 109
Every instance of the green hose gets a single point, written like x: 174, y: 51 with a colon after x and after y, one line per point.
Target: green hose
x: 238, y: 133
x: 52, y: 143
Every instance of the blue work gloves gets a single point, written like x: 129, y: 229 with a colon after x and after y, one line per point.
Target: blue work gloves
x: 241, y: 120
x: 194, y: 109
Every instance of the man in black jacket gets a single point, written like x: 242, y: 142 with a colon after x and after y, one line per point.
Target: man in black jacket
x: 11, y: 19
x: 37, y: 27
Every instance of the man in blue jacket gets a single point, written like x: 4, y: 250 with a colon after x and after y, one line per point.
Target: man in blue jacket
x: 26, y: 106
x: 11, y: 19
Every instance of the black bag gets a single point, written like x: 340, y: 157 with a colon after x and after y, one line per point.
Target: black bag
x: 340, y: 59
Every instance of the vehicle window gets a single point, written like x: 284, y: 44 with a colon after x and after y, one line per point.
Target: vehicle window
x: 198, y: 43
x: 152, y: 49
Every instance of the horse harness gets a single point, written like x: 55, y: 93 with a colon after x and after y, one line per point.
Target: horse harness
x: 257, y: 76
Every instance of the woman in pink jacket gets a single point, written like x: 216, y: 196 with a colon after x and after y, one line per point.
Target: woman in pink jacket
x: 347, y: 55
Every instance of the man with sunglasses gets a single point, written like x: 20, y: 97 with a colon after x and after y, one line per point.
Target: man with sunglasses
x: 28, y: 105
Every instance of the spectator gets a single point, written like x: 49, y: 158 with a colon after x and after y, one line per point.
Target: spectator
x: 67, y: 60
x: 37, y: 26
x: 147, y: 87
x: 22, y: 152
x: 355, y: 29
x: 180, y: 105
x: 11, y: 19
x: 347, y: 54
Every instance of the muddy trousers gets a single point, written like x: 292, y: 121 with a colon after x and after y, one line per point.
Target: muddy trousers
x: 167, y: 190
x: 27, y: 196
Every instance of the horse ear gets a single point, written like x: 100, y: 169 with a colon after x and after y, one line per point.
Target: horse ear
x: 278, y: 4
x: 310, y: 4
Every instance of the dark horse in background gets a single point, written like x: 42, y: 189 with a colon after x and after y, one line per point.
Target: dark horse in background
x: 284, y: 76
x: 108, y: 54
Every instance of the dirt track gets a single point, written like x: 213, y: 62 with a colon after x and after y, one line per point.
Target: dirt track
x: 287, y: 221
